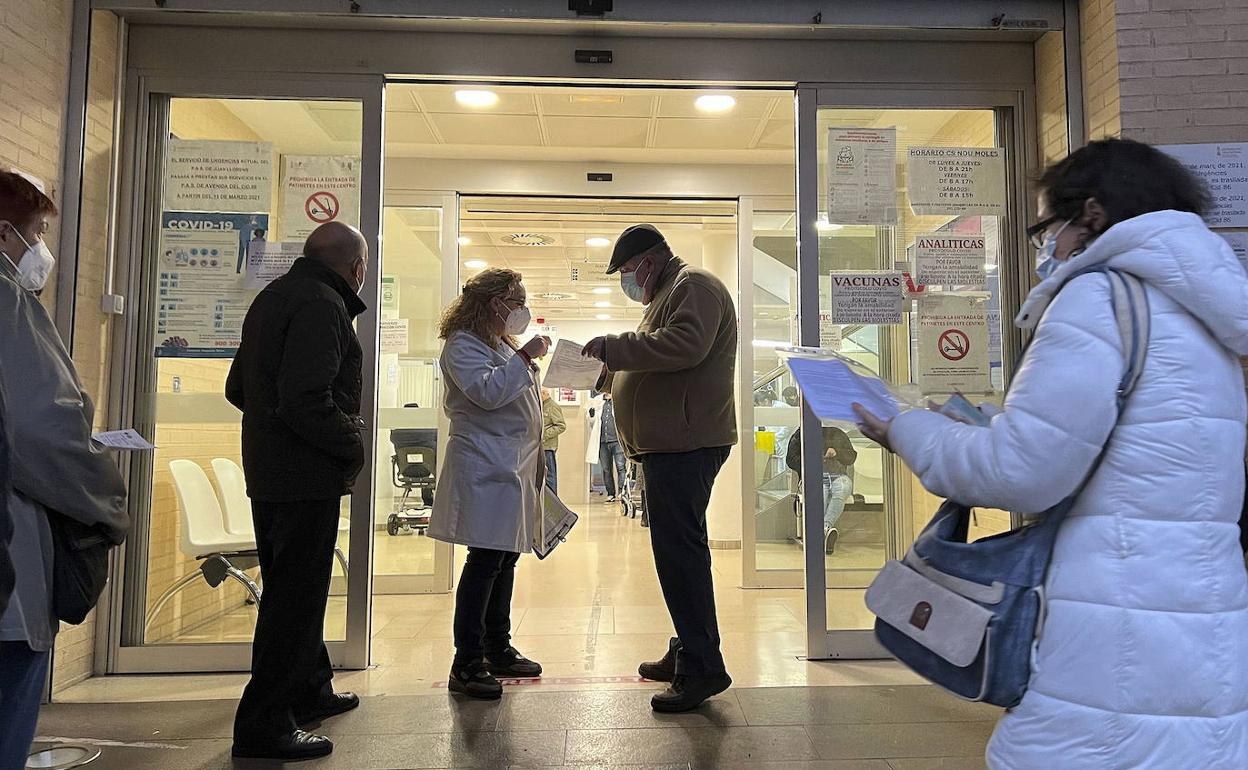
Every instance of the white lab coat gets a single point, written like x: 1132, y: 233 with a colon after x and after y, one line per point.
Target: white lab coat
x: 489, y: 480
x: 1143, y: 659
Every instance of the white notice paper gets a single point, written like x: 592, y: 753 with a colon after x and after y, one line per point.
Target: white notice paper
x: 949, y: 259
x: 204, y: 175
x: 1224, y: 167
x: 1239, y: 245
x: 862, y: 176
x: 394, y: 335
x: 867, y: 298
x: 569, y: 369
x: 953, y: 344
x: 267, y: 262
x: 956, y: 180
x: 127, y: 440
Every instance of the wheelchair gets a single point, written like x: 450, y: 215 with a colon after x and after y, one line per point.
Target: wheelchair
x: 413, y: 467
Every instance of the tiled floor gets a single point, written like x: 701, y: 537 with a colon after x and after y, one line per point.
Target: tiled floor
x: 815, y: 728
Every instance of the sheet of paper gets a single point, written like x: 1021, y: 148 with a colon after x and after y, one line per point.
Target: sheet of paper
x: 831, y: 387
x: 128, y: 440
x: 569, y: 369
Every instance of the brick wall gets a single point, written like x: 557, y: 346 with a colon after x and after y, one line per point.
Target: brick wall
x: 1051, y: 98
x: 1184, y: 69
x: 1098, y: 40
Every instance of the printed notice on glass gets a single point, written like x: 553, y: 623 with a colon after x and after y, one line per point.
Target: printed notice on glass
x: 953, y: 344
x: 956, y: 180
x: 1224, y: 167
x: 218, y: 176
x: 862, y: 176
x: 269, y: 261
x: 394, y: 335
x: 317, y: 189
x: 1239, y: 245
x: 201, y: 289
x: 950, y: 259
x: 867, y: 298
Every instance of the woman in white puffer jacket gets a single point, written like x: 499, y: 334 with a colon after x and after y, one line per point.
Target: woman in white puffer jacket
x: 1143, y: 660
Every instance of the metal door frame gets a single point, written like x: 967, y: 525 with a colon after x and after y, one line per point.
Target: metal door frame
x: 1015, y: 115
x: 145, y: 134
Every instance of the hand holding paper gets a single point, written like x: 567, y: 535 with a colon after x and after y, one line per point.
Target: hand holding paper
x: 569, y: 369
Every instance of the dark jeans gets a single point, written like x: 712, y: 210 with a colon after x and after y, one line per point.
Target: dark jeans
x: 611, y: 461
x: 290, y: 669
x: 483, y: 603
x: 552, y: 472
x: 678, y: 489
x: 22, y: 673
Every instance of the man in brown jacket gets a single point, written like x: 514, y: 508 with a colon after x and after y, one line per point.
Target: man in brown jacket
x: 672, y: 383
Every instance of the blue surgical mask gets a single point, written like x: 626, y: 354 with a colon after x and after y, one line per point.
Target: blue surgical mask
x: 631, y: 288
x: 1047, y: 262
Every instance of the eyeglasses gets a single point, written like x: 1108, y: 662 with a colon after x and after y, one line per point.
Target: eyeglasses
x: 1036, y: 232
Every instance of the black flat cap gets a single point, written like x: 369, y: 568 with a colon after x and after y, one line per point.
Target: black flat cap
x: 633, y: 241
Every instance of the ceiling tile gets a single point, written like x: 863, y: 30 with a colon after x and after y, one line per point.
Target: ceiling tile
x: 489, y: 129
x: 407, y: 128
x: 724, y: 134
x: 584, y: 102
x: 597, y: 131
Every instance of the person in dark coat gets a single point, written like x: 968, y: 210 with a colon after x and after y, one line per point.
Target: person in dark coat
x: 297, y: 379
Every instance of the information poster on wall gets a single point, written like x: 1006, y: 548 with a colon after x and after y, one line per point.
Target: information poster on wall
x: 950, y: 259
x: 204, y: 175
x: 394, y: 335
x: 956, y: 180
x: 267, y: 261
x: 953, y: 344
x: 201, y: 282
x: 1239, y: 245
x: 317, y: 189
x: 1224, y: 167
x: 867, y: 298
x: 862, y: 176
x: 389, y: 295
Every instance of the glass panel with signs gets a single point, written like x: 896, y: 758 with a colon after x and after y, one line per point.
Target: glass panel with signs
x: 910, y: 205
x: 244, y: 182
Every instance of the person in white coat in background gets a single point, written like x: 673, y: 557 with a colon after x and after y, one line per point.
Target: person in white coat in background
x: 1142, y: 661
x: 488, y: 493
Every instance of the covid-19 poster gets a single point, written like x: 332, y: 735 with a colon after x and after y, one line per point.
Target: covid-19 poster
x: 201, y: 292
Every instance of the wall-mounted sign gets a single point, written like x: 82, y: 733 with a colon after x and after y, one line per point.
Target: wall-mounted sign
x: 867, y: 298
x: 950, y: 259
x: 317, y: 189
x: 1239, y: 245
x: 862, y: 176
x: 956, y: 180
x: 953, y: 344
x: 394, y: 335
x: 1224, y: 167
x: 204, y: 175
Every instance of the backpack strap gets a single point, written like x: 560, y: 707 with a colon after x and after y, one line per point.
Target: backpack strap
x: 1130, y: 302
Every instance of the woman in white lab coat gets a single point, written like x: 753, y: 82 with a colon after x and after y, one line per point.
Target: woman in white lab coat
x: 489, y: 482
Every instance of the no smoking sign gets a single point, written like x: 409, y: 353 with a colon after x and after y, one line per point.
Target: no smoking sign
x: 322, y: 207
x: 954, y: 344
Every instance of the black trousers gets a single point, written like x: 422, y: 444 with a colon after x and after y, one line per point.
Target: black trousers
x: 290, y: 669
x: 483, y: 603
x: 678, y: 489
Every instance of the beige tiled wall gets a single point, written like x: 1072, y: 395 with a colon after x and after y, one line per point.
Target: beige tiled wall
x: 1051, y: 98
x: 1098, y: 40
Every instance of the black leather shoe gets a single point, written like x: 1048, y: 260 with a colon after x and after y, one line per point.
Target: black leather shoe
x: 338, y: 703
x: 510, y: 663
x: 686, y: 693
x: 291, y: 747
x: 664, y: 669
x: 474, y: 680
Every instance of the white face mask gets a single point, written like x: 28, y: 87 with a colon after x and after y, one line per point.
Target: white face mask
x: 517, y: 321
x: 35, y: 266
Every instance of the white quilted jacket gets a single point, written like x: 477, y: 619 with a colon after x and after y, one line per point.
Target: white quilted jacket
x: 1143, y: 662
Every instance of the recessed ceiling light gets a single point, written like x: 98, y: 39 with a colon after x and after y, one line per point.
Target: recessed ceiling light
x: 478, y: 99
x: 715, y: 102
x: 464, y: 240
x: 602, y: 304
x: 602, y: 290
x: 597, y: 242
x: 475, y: 264
x: 603, y: 317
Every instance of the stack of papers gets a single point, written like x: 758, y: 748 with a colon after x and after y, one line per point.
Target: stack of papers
x: 831, y: 387
x: 569, y: 369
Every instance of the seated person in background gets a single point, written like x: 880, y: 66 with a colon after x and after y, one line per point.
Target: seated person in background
x: 839, y: 456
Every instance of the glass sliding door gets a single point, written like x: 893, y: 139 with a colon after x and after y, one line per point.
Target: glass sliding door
x: 921, y: 191
x: 237, y: 175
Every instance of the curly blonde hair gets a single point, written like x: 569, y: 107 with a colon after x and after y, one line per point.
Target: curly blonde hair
x: 471, y: 310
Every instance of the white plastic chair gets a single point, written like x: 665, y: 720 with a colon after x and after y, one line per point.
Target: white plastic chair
x: 221, y: 554
x: 232, y: 492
